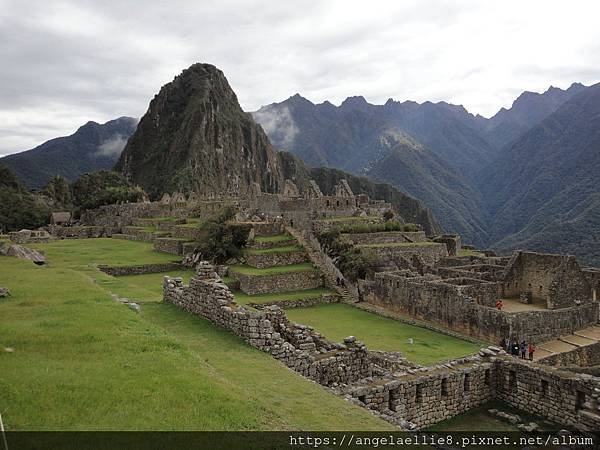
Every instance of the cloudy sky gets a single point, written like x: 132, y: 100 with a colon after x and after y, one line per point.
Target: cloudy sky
x: 63, y: 63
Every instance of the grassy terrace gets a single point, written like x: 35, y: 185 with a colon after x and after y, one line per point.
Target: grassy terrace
x: 266, y: 251
x: 107, y: 251
x: 81, y: 361
x: 400, y: 244
x: 247, y: 270
x: 141, y: 288
x: 244, y: 299
x: 337, y: 321
x: 276, y: 238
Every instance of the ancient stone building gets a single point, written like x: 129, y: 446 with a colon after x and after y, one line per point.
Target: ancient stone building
x: 556, y: 280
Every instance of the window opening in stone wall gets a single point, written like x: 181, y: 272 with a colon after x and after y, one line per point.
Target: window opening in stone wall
x: 544, y: 388
x: 419, y: 394
x: 392, y: 400
x: 512, y: 379
x: 444, y: 387
x: 467, y: 382
x: 362, y: 398
x: 579, y: 400
x: 486, y: 378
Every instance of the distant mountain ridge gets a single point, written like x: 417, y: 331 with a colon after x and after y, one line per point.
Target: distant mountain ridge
x: 92, y: 147
x: 446, y: 157
x: 195, y: 137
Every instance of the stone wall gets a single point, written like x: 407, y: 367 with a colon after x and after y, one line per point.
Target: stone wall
x: 385, y: 237
x: 141, y: 269
x: 191, y: 233
x: 455, y: 306
x: 169, y: 245
x: 585, y: 356
x: 430, y: 254
x: 80, y: 232
x: 557, y: 279
x: 300, y: 303
x: 263, y: 260
x: 297, y: 346
x: 569, y: 399
x: 593, y: 276
x: 431, y: 396
x: 292, y: 281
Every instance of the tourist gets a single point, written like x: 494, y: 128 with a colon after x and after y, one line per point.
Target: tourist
x: 499, y: 305
x: 342, y: 282
x: 508, y: 346
x: 515, y: 348
x: 523, y: 348
x: 530, y: 350
x: 337, y: 281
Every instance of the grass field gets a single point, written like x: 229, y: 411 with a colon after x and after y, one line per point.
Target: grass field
x: 77, y: 360
x: 464, y: 252
x: 267, y: 251
x: 141, y: 288
x: 244, y: 299
x: 276, y: 238
x: 336, y: 321
x: 247, y: 270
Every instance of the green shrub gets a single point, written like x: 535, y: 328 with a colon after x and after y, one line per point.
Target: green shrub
x: 222, y: 240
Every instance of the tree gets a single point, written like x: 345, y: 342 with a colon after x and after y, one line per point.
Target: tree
x: 222, y: 239
x: 59, y: 191
x: 104, y: 187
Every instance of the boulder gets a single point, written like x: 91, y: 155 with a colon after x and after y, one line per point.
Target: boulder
x: 4, y: 292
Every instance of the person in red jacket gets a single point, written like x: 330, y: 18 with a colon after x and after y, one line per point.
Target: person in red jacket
x: 530, y: 351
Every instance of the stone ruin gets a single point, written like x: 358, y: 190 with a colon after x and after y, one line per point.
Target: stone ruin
x: 4, y: 292
x: 406, y: 395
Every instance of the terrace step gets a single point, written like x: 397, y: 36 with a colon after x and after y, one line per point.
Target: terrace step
x: 317, y: 259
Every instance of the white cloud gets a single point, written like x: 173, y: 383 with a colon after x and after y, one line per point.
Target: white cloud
x: 67, y: 62
x: 113, y: 146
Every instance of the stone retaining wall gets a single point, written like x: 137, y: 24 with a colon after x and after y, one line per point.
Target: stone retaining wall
x: 292, y: 281
x: 301, y: 303
x: 297, y: 346
x: 80, y: 232
x: 261, y: 245
x: 385, y: 237
x: 141, y: 269
x: 585, y: 356
x: 169, y: 245
x: 264, y: 260
x: 430, y: 254
x: 186, y: 232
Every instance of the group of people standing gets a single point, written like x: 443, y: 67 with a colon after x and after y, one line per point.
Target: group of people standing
x: 523, y: 350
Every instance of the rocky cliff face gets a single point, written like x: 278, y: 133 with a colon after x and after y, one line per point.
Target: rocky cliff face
x: 195, y: 137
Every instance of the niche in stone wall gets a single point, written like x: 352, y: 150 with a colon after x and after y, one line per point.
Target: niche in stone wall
x: 486, y: 378
x: 512, y: 379
x: 392, y: 400
x: 467, y: 382
x: 444, y: 387
x: 579, y: 400
x: 419, y: 394
x: 544, y: 388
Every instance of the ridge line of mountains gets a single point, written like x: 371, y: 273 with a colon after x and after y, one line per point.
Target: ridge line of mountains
x: 524, y: 178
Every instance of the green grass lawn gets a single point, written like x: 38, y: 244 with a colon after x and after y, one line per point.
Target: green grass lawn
x: 475, y: 420
x: 247, y: 270
x: 336, y: 321
x: 107, y: 251
x: 244, y: 299
x: 276, y: 238
x: 267, y: 251
x: 81, y: 361
x: 141, y: 288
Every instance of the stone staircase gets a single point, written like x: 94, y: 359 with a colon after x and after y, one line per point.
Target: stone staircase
x: 580, y: 338
x: 318, y: 259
